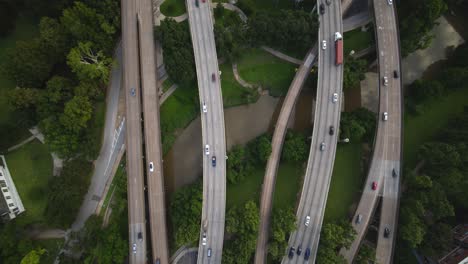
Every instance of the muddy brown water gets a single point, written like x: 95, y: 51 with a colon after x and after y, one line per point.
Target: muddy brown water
x: 183, y: 163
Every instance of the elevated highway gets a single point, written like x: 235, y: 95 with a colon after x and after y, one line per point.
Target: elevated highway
x: 385, y: 164
x: 213, y: 135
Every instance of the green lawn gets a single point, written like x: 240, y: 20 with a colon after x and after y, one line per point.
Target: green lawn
x: 173, y: 8
x: 233, y: 93
x: 25, y: 29
x: 259, y: 67
x: 288, y: 185
x: 346, y: 182
x: 177, y: 112
x: 31, y: 168
x: 248, y: 189
x: 286, y: 188
x: 228, y: 18
x: 357, y: 40
x: 52, y: 246
x: 422, y: 128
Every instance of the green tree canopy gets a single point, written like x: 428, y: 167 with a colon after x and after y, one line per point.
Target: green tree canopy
x: 89, y: 63
x: 33, y: 257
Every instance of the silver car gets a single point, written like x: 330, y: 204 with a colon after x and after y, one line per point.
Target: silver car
x: 385, y: 116
x: 134, y: 248
x: 324, y: 44
x: 390, y: 2
x: 335, y: 97
x: 322, y: 146
x: 207, y: 149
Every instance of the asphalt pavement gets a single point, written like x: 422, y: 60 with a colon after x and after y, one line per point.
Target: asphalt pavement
x: 387, y: 147
x: 135, y: 174
x: 152, y: 134
x: 213, y: 135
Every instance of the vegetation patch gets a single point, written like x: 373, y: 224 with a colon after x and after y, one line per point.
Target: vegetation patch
x: 358, y: 40
x: 346, y: 183
x: 258, y: 67
x: 177, y: 112
x: 31, y: 169
x: 233, y: 93
x: 173, y: 8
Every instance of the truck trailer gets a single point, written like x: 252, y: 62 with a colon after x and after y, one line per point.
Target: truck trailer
x: 338, y: 49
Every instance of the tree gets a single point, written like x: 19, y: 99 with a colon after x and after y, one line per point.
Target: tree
x: 219, y: 11
x: 28, y: 64
x: 85, y: 24
x: 58, y: 138
x: 23, y: 98
x: 437, y: 240
x: 283, y: 223
x: 89, y: 63
x: 242, y: 227
x: 185, y: 212
x: 238, y: 165
x: 8, y: 14
x: 58, y: 91
x: 412, y: 230
x: 260, y: 149
x: 65, y: 193
x: 178, y: 51
x: 353, y: 72
x: 76, y: 114
x: 53, y: 39
x: 333, y: 237
x: 33, y: 257
x: 366, y: 255
x: 438, y: 156
x: 295, y: 147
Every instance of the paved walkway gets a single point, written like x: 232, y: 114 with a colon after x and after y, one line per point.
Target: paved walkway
x: 17, y: 146
x: 281, y: 55
x: 168, y: 93
x: 239, y: 79
x: 47, y: 234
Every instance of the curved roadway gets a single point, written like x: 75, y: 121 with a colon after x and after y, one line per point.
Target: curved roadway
x: 387, y: 150
x: 214, y: 177
x: 320, y: 163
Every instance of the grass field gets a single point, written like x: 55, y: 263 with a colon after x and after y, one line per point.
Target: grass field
x: 25, y: 29
x: 52, y: 246
x: 357, y: 40
x: 422, y: 128
x: 31, y: 168
x: 259, y: 67
x: 346, y: 181
x: 248, y: 189
x: 288, y: 186
x: 177, y: 112
x: 173, y: 8
x: 233, y: 93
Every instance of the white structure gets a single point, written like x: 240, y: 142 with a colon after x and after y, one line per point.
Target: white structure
x: 10, y: 201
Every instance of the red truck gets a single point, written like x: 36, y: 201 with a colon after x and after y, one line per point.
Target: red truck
x: 338, y: 49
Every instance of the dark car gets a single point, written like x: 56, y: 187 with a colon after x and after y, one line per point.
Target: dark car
x: 307, y: 254
x: 157, y: 261
x: 395, y: 74
x: 213, y: 77
x: 322, y: 9
x: 213, y: 161
x: 209, y: 253
x: 196, y: 3
x: 291, y: 253
x: 299, y: 250
x: 394, y: 174
x: 133, y: 92
x: 374, y: 186
x: 331, y: 131
x: 386, y: 232
x: 140, y: 236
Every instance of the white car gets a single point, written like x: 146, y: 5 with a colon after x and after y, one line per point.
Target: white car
x: 151, y: 166
x: 390, y: 2
x: 134, y: 248
x: 385, y: 116
x: 307, y: 222
x: 322, y: 146
x: 207, y: 149
x: 204, y: 108
x: 204, y: 239
x: 385, y: 81
x: 335, y: 97
x: 324, y: 44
